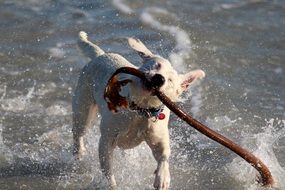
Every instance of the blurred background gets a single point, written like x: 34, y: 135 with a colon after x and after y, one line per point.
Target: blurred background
x: 240, y: 44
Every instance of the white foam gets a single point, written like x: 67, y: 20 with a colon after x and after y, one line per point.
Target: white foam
x: 264, y: 141
x: 123, y: 7
x: 19, y: 103
x: 23, y: 102
x: 183, y: 42
x: 3, y: 90
x: 57, y: 52
x: 278, y: 70
x: 58, y: 109
x: 13, y: 73
x: 6, y: 156
x: 237, y: 5
x: 45, y: 88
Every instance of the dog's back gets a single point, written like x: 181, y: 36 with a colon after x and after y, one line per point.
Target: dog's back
x: 101, y: 66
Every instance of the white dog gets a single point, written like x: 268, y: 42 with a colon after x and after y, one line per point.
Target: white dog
x: 146, y: 119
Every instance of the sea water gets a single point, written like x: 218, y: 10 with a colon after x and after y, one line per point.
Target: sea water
x: 239, y: 44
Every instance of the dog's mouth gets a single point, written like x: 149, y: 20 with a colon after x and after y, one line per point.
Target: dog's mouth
x: 154, y: 82
x: 112, y: 90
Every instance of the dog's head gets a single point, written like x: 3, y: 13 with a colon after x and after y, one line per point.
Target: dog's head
x: 160, y: 74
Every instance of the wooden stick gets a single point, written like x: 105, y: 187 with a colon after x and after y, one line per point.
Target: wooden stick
x: 266, y: 177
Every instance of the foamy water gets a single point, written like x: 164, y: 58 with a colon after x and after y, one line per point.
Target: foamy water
x: 241, y: 96
x: 264, y: 142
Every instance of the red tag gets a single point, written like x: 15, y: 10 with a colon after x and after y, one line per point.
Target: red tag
x: 161, y: 116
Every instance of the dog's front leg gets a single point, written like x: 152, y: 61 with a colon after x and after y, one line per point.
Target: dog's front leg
x: 106, y: 160
x: 162, y: 174
x: 161, y: 151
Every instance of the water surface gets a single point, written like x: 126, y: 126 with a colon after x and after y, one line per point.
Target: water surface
x: 239, y: 44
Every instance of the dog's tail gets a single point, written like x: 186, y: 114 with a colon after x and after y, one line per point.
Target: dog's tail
x: 87, y: 47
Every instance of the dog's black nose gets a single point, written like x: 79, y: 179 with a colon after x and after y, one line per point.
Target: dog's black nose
x: 157, y: 81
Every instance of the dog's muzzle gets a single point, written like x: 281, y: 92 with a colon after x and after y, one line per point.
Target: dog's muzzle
x: 156, y: 82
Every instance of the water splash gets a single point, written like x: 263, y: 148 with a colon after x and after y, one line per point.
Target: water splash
x: 264, y: 141
x: 6, y: 155
x: 19, y: 103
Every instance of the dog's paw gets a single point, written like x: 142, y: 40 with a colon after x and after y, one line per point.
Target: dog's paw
x: 79, y: 151
x: 162, y: 177
x: 79, y: 156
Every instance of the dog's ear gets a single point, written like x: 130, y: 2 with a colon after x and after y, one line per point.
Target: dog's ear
x: 139, y: 47
x: 189, y: 78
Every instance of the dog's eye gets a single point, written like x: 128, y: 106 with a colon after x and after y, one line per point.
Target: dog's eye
x: 169, y: 80
x: 158, y: 65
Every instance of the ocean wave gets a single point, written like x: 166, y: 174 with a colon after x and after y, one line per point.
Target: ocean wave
x: 122, y: 6
x: 182, y: 48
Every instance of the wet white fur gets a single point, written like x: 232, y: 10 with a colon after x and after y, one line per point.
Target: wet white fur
x: 125, y: 129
